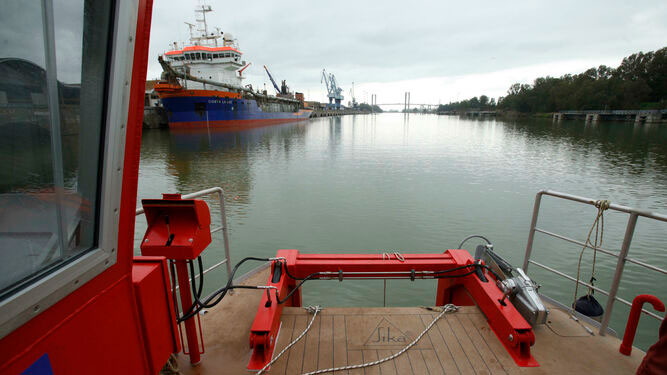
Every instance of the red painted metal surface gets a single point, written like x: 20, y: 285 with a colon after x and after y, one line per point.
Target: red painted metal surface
x: 177, y: 228
x: 78, y: 330
x: 633, y: 319
x: 264, y: 330
x: 152, y: 288
x: 508, y: 324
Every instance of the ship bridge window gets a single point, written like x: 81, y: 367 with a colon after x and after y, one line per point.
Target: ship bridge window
x: 52, y: 152
x: 198, y: 56
x: 188, y: 57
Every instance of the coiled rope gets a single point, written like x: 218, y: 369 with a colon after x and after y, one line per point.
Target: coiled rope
x: 449, y: 308
x: 598, y: 226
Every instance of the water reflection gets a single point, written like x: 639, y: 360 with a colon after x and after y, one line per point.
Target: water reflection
x: 420, y: 183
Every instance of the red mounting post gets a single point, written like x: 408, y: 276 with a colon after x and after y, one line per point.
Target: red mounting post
x: 507, y: 323
x: 179, y: 229
x: 633, y: 319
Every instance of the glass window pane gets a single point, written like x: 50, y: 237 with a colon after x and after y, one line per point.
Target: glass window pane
x: 50, y: 156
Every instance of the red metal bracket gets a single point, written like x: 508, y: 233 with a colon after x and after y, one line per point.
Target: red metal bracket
x: 507, y: 323
x: 264, y: 330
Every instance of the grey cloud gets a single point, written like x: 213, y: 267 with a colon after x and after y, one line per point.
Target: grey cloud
x: 386, y: 41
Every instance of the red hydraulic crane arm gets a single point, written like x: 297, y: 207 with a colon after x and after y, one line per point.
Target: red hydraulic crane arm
x: 244, y: 68
x: 460, y: 284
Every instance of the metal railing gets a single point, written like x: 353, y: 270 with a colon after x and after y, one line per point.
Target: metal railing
x: 222, y: 227
x: 622, y: 255
x: 617, y: 112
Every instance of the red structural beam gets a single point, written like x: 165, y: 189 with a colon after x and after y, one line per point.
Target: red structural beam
x: 507, y: 323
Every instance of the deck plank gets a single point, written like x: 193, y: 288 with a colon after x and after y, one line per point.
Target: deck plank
x: 355, y: 357
x: 454, y: 346
x: 339, y: 342
x: 295, y: 355
x: 441, y: 350
x: 325, y: 355
x: 403, y: 365
x: 480, y: 343
x: 310, y: 355
x: 468, y: 347
x: 370, y: 355
x: 284, y: 338
x: 389, y: 367
x: 417, y: 361
x: 496, y: 347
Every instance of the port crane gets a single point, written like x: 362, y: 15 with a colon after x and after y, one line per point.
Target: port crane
x: 283, y: 90
x: 275, y: 85
x: 335, y: 93
x: 354, y: 100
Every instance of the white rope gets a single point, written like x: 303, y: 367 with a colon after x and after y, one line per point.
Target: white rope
x: 311, y: 309
x: 602, y: 206
x: 445, y: 309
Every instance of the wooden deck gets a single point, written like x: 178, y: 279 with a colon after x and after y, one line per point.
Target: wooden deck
x: 460, y: 343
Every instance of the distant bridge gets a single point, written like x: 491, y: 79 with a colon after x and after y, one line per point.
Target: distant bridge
x: 432, y: 105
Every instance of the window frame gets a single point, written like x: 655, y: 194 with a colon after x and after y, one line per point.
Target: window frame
x: 28, y: 302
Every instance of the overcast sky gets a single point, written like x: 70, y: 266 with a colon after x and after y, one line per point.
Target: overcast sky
x: 440, y: 51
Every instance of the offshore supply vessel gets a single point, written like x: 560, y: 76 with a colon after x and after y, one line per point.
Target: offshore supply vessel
x: 75, y: 297
x: 202, y: 85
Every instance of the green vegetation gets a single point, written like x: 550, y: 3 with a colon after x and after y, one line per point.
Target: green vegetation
x: 640, y: 82
x: 481, y: 103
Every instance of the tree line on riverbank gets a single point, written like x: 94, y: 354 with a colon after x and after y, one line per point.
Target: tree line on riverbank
x: 639, y: 82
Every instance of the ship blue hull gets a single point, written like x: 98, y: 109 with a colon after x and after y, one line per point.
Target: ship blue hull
x: 224, y: 112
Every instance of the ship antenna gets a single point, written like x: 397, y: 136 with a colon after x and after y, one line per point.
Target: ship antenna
x: 201, y: 23
x: 191, y: 26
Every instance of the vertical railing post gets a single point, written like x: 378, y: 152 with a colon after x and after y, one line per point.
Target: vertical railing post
x: 620, y: 264
x: 225, y: 234
x: 531, y: 233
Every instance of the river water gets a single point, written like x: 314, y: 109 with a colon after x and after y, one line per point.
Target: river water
x: 422, y: 183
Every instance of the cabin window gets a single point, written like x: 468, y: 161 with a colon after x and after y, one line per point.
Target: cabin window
x: 51, y: 149
x: 187, y: 56
x: 198, y: 56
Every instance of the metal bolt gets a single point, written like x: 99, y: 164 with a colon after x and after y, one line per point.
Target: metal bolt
x: 146, y: 240
x: 190, y: 240
x: 511, y: 338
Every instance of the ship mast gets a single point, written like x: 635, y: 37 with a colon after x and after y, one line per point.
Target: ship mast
x: 199, y: 35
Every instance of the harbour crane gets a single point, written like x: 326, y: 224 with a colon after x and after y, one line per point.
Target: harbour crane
x: 275, y: 85
x: 335, y: 93
x: 354, y: 100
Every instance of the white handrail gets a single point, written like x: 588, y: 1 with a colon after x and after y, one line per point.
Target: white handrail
x: 622, y: 255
